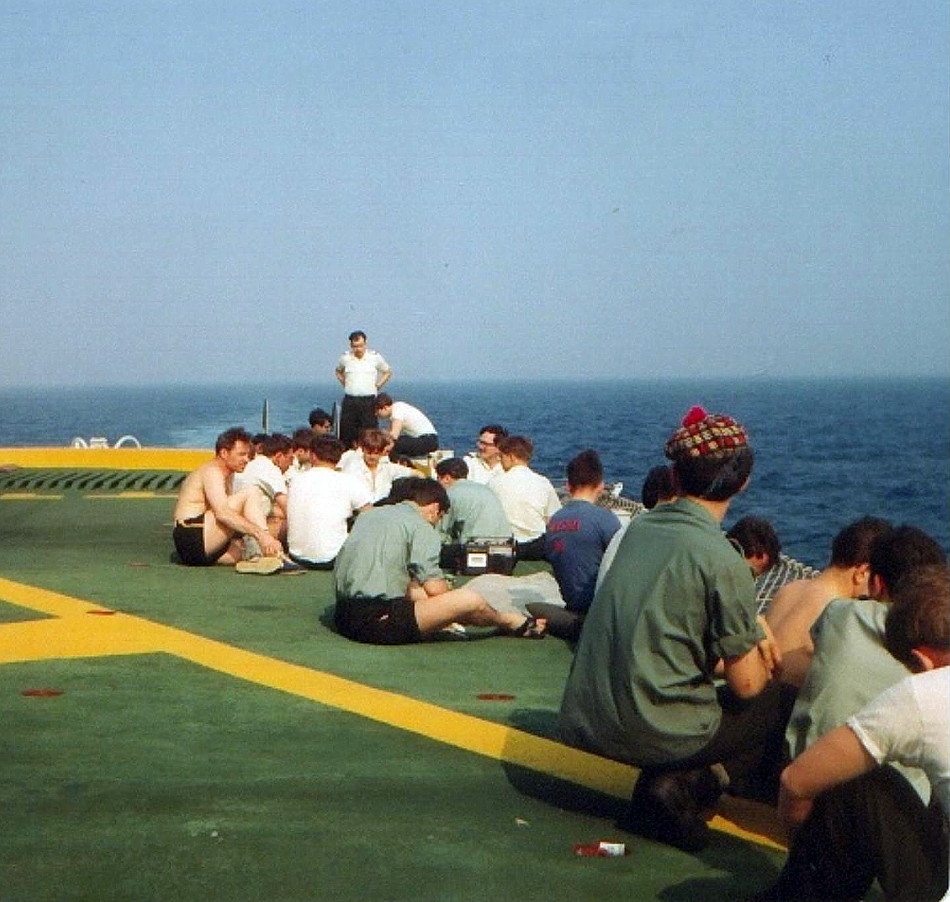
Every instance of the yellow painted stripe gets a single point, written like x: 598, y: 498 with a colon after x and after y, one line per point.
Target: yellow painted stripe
x: 29, y: 496
x: 79, y: 633
x: 130, y: 495
x: 184, y: 459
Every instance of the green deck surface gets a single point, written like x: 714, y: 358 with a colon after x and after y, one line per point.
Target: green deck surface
x: 151, y: 777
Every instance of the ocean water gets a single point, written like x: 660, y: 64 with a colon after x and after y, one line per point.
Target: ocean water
x: 827, y: 451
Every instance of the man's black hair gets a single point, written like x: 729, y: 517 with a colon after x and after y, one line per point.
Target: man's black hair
x: 714, y: 477
x: 852, y: 545
x: 658, y: 486
x: 585, y: 470
x: 319, y: 417
x: 756, y: 536
x: 452, y: 466
x: 901, y: 550
x: 230, y: 437
x: 359, y: 333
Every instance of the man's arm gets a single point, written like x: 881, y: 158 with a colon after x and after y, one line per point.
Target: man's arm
x: 384, y: 378
x: 749, y: 674
x: 835, y: 758
x: 341, y: 375
x: 395, y: 427
x: 216, y: 493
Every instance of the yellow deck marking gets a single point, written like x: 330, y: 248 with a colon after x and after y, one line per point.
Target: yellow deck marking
x: 29, y: 496
x: 119, y: 496
x: 77, y: 633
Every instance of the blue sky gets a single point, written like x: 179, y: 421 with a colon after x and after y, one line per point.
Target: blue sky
x: 209, y: 192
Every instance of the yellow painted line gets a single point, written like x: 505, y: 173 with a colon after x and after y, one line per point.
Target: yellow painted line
x: 29, y: 496
x: 126, y: 634
x: 184, y: 459
x: 130, y: 495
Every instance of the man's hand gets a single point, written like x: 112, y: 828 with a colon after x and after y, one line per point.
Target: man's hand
x: 269, y: 545
x: 769, y: 651
x: 792, y: 810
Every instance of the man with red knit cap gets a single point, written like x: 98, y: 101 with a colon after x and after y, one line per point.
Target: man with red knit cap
x: 677, y: 610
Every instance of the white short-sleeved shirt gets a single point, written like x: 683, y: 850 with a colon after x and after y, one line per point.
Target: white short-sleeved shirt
x: 414, y: 421
x: 529, y: 500
x: 479, y: 471
x: 318, y: 506
x: 386, y: 473
x: 910, y: 724
x: 261, y: 470
x: 361, y: 374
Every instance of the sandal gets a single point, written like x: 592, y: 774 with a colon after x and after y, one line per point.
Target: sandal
x: 531, y: 628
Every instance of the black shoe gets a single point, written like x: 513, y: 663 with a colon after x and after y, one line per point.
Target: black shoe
x: 703, y: 786
x: 663, y: 808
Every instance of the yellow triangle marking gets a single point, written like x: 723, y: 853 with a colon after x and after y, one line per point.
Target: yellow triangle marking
x: 77, y: 633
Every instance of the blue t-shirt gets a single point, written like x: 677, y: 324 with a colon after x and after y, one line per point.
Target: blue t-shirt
x: 574, y: 542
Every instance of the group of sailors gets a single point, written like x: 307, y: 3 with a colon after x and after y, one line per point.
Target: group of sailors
x: 709, y: 660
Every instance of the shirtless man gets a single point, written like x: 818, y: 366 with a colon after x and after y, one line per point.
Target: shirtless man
x: 209, y: 518
x: 797, y: 605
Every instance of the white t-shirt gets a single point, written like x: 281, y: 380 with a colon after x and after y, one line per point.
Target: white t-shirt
x: 479, y: 471
x: 360, y: 374
x: 910, y: 723
x: 261, y: 470
x: 528, y: 498
x: 386, y: 473
x: 414, y: 421
x: 318, y: 506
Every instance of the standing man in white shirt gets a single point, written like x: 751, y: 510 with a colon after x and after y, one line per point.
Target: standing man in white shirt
x: 362, y: 372
x: 528, y: 498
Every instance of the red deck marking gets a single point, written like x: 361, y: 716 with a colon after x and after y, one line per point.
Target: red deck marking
x: 495, y: 697
x: 41, y: 693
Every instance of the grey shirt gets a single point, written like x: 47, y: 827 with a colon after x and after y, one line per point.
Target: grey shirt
x: 387, y: 547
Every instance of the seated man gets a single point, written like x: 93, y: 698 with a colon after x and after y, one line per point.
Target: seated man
x: 851, y: 664
x: 574, y: 544
x: 528, y: 498
x: 474, y: 512
x: 300, y: 448
x: 266, y: 471
x: 370, y: 463
x: 211, y: 518
x: 853, y: 818
x: 658, y: 487
x: 321, y: 423
x: 389, y: 587
x: 410, y: 428
x: 758, y: 542
x: 322, y: 500
x: 486, y: 461
x: 676, y: 601
x: 798, y: 605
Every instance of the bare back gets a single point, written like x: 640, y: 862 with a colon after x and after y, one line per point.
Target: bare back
x: 791, y: 615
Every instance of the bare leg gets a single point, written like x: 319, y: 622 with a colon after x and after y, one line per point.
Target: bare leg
x: 252, y: 504
x: 460, y: 606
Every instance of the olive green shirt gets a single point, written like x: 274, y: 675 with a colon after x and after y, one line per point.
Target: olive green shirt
x: 474, y: 512
x: 388, y: 546
x: 677, y: 598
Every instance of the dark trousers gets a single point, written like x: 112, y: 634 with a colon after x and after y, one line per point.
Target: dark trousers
x: 874, y: 827
x: 747, y: 743
x: 357, y: 413
x: 532, y: 550
x: 414, y: 445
